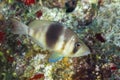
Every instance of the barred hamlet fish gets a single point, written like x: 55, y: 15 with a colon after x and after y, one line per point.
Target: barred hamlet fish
x: 54, y: 36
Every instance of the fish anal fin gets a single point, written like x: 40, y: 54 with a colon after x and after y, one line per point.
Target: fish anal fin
x: 55, y: 57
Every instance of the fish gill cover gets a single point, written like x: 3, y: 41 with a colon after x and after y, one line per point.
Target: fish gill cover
x: 97, y: 23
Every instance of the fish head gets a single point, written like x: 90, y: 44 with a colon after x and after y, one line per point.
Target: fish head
x: 75, y: 47
x: 80, y: 49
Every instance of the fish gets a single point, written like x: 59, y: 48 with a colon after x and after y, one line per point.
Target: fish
x: 54, y: 36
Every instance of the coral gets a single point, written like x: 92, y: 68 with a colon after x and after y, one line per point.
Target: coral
x: 109, y: 20
x: 63, y: 70
x: 91, y: 68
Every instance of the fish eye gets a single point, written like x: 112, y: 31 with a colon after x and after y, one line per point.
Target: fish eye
x: 77, y: 45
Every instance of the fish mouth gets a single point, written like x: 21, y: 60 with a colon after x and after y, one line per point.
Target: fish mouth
x: 82, y: 54
x: 86, y: 53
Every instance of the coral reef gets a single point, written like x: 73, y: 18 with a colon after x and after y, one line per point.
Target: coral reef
x: 97, y: 23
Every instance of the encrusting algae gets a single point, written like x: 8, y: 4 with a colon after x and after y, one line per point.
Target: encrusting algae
x: 64, y: 70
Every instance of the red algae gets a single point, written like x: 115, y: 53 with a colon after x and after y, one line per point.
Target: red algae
x: 37, y: 76
x: 2, y: 36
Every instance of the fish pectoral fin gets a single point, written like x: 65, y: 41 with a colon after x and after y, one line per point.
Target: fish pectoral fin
x: 55, y: 57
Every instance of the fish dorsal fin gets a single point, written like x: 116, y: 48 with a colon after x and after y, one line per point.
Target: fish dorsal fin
x: 55, y: 57
x: 39, y: 23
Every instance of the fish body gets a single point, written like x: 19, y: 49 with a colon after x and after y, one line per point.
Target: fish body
x: 62, y: 41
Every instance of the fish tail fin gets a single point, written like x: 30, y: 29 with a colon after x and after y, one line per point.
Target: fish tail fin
x: 18, y: 27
